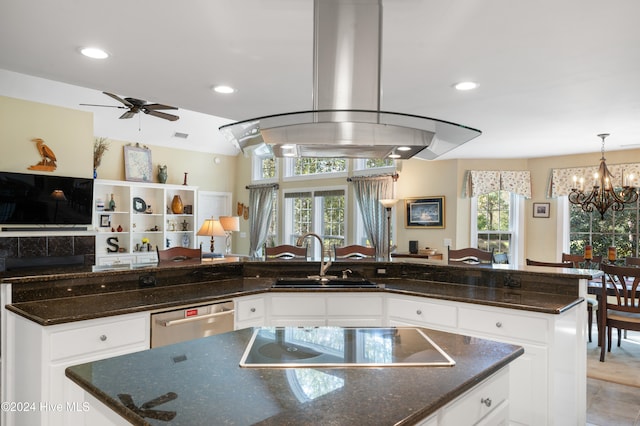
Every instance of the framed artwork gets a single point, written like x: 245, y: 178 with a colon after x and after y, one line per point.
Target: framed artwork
x: 426, y: 212
x: 137, y: 164
x: 105, y: 221
x: 541, y: 209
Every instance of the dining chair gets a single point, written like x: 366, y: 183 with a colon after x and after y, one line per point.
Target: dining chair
x: 178, y: 253
x: 285, y: 252
x: 470, y: 256
x: 621, y: 311
x: 353, y: 251
x: 632, y: 261
x: 592, y: 304
x: 579, y: 262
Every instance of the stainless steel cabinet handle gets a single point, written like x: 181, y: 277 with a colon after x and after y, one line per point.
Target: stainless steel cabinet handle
x: 169, y: 323
x: 486, y: 401
x: 498, y: 324
x: 103, y: 337
x: 252, y: 309
x: 419, y: 312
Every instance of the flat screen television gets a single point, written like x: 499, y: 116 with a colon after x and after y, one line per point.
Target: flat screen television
x: 31, y: 199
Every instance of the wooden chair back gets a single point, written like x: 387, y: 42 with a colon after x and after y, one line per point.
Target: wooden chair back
x: 550, y: 264
x: 353, y: 251
x: 178, y: 253
x: 470, y: 256
x: 632, y: 261
x: 579, y: 262
x: 285, y: 252
x: 621, y: 293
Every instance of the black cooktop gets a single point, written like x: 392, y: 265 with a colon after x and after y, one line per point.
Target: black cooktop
x: 287, y: 347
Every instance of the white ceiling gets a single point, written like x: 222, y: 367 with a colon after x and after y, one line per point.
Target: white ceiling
x: 552, y: 74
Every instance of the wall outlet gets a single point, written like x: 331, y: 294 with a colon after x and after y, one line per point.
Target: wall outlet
x: 447, y: 242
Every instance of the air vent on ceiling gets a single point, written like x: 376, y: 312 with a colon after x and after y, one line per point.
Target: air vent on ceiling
x: 181, y: 135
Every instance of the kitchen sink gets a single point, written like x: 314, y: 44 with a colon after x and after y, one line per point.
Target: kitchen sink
x: 323, y: 283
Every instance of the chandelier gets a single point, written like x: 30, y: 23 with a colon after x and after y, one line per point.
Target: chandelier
x: 603, y: 195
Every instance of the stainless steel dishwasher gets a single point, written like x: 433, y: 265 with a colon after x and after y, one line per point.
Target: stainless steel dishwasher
x: 190, y: 323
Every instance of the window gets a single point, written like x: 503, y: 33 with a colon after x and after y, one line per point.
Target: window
x: 618, y: 229
x: 264, y: 168
x: 373, y: 163
x: 321, y: 212
x: 307, y: 167
x: 496, y: 221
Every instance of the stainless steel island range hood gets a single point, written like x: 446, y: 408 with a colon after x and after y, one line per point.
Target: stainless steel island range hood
x: 346, y: 120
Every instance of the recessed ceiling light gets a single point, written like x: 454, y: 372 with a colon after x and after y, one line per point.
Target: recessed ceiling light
x: 223, y: 89
x: 394, y: 155
x: 466, y: 85
x: 94, y: 52
x: 404, y: 148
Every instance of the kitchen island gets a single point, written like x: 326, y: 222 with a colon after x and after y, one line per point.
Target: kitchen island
x: 203, y: 384
x: 62, y: 320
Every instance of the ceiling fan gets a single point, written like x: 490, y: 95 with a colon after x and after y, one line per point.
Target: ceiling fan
x: 134, y: 106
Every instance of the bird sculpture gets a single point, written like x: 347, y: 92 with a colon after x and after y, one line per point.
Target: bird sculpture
x: 48, y: 162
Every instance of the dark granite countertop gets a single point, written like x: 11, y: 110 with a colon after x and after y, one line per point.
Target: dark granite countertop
x: 57, y: 299
x: 211, y: 388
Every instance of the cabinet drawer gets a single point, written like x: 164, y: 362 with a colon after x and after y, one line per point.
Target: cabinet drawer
x: 503, y: 324
x: 347, y: 305
x: 298, y: 305
x: 423, y: 312
x: 146, y: 258
x: 478, y: 402
x: 104, y: 335
x: 115, y: 260
x: 249, y: 309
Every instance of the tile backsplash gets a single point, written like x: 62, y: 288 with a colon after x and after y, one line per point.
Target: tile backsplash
x: 36, y: 249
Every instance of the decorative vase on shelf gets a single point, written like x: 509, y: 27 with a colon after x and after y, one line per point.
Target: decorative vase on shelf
x: 162, y: 173
x: 176, y: 205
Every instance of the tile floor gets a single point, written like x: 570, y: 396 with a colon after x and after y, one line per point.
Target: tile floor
x: 611, y: 404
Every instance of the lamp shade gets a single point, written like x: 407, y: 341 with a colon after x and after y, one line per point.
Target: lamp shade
x: 388, y: 202
x: 211, y: 228
x: 230, y: 223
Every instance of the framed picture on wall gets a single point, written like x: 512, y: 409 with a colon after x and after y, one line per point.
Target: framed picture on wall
x: 541, y: 209
x: 137, y: 164
x: 426, y: 212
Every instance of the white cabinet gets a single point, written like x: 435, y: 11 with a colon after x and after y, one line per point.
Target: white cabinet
x: 477, y: 405
x: 41, y: 355
x: 250, y: 312
x: 542, y: 378
x: 318, y: 309
x: 139, y: 219
x: 408, y: 310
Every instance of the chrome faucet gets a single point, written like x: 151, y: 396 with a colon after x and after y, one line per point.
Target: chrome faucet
x: 324, y: 265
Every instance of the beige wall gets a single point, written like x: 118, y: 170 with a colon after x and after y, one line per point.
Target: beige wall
x: 69, y: 133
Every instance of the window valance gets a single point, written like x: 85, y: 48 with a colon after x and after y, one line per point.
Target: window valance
x: 561, y: 180
x: 480, y: 182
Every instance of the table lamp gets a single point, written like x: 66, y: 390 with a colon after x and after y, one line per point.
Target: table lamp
x: 230, y: 224
x: 211, y: 228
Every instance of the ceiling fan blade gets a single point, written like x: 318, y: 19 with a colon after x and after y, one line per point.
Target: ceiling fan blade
x: 159, y: 114
x: 127, y: 114
x: 119, y: 99
x: 158, y: 106
x: 106, y: 106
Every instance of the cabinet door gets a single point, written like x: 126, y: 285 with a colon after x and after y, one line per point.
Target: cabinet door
x: 479, y: 402
x: 250, y: 312
x: 355, y: 310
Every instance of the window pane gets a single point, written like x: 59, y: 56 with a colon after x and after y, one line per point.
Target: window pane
x: 618, y: 228
x: 494, y: 221
x: 333, y: 221
x: 268, y: 168
x: 312, y: 166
